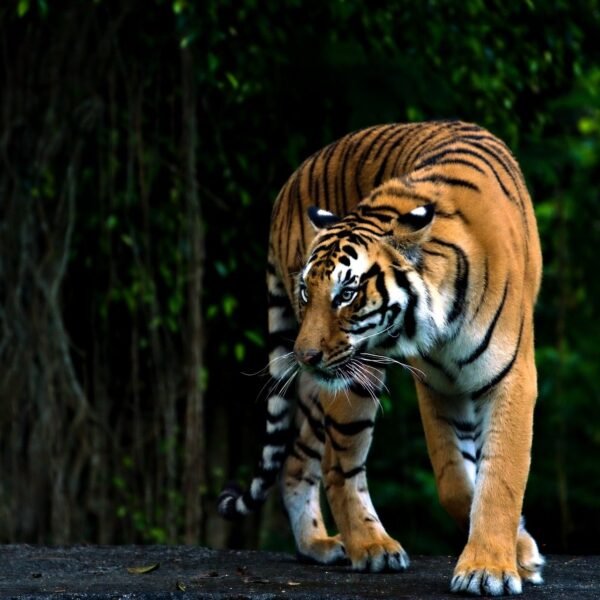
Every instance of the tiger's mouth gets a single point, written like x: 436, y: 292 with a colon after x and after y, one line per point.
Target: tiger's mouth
x: 332, y: 379
x: 342, y: 377
x: 361, y: 372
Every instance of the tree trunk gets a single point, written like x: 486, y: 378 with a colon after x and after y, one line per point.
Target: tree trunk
x: 194, y: 479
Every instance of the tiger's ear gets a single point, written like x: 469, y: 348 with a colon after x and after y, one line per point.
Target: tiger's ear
x: 418, y: 217
x: 321, y: 218
x: 413, y: 227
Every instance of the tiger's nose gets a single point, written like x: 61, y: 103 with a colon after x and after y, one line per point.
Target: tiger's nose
x: 309, y: 357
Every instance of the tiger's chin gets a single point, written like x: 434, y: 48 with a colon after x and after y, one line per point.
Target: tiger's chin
x: 330, y: 381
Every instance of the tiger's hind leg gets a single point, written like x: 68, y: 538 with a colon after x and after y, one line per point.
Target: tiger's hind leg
x: 301, y: 481
x: 529, y: 560
x: 452, y: 435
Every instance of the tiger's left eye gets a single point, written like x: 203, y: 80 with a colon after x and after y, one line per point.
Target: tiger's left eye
x: 347, y: 295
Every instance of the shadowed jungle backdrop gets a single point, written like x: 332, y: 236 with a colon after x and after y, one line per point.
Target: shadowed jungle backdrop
x: 141, y: 147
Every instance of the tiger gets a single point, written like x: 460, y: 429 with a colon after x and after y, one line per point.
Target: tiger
x: 413, y: 244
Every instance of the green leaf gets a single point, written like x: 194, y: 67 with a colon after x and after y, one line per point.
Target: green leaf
x: 255, y: 337
x: 179, y: 6
x: 22, y: 7
x: 111, y: 222
x: 239, y: 351
x: 229, y: 305
x: 232, y: 80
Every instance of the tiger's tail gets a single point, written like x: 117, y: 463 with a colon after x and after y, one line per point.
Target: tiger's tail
x: 233, y: 501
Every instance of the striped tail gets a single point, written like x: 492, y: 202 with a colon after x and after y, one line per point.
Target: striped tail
x: 234, y: 502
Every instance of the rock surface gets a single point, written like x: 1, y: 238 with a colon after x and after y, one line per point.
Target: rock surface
x: 112, y: 572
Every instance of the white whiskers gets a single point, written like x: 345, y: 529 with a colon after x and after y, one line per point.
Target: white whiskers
x: 379, y: 359
x: 278, y: 384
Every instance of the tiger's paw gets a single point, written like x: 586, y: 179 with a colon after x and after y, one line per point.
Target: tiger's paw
x: 382, y: 555
x: 323, y: 550
x: 529, y: 559
x: 482, y: 580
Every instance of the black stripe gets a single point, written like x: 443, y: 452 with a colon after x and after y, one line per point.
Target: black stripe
x: 374, y: 270
x: 352, y: 472
x: 410, y: 323
x: 315, y: 424
x: 327, y: 154
x: 270, y: 473
x: 420, y: 143
x: 452, y: 181
x: 402, y: 132
x: 359, y: 330
x: 457, y: 214
x: 313, y: 188
x: 277, y: 417
x: 461, y: 280
x: 283, y: 235
x: 437, y: 365
x: 376, y: 213
x: 251, y: 502
x: 365, y: 154
x: 503, y: 373
x: 350, y: 251
x: 486, y: 281
x: 310, y: 452
x: 464, y: 426
x: 278, y: 437
x: 506, y: 167
x: 354, y: 142
x: 485, y: 342
x: 397, y: 192
x: 395, y: 129
x: 351, y: 428
x: 441, y: 158
x: 468, y: 456
x: 382, y: 289
x: 334, y: 444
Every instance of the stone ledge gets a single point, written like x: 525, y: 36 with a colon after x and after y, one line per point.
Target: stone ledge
x: 101, y: 572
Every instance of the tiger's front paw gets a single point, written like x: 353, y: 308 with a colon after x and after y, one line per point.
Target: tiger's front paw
x: 384, y: 554
x: 485, y: 579
x: 323, y: 550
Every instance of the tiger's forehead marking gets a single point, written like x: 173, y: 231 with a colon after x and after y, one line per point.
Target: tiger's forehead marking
x: 341, y: 267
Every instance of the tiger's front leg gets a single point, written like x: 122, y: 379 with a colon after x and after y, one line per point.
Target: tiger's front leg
x: 499, y: 553
x: 301, y: 481
x: 457, y: 432
x: 493, y: 561
x: 349, y: 421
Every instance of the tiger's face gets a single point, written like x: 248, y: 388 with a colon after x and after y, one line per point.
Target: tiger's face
x: 359, y: 299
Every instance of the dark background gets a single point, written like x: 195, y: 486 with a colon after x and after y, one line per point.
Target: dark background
x: 141, y: 147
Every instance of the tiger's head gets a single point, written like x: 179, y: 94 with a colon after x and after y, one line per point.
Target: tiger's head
x: 361, y: 294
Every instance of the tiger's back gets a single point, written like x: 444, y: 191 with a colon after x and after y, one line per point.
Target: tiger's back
x: 343, y: 173
x: 421, y: 244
